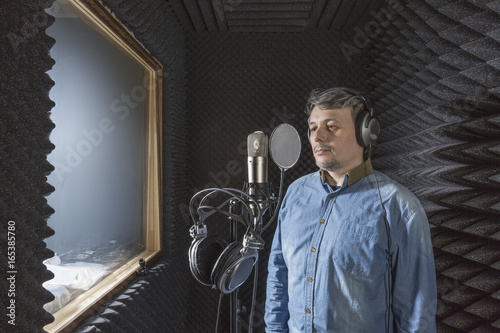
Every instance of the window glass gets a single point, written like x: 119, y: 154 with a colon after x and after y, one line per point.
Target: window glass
x: 98, y: 158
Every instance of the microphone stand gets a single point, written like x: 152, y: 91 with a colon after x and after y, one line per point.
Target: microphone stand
x: 233, y: 297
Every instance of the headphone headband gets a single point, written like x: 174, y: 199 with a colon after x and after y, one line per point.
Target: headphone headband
x: 355, y: 93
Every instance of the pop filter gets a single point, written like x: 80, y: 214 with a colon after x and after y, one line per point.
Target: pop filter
x: 284, y: 146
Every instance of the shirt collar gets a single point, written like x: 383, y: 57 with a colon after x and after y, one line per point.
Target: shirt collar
x: 362, y: 170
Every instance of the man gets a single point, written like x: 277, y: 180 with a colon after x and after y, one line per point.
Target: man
x: 352, y: 250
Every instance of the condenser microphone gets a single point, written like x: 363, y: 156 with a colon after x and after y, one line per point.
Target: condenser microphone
x: 258, y: 185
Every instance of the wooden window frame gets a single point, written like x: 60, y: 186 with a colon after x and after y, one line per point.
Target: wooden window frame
x: 99, y: 18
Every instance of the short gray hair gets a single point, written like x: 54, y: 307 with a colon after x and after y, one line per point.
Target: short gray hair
x: 335, y: 98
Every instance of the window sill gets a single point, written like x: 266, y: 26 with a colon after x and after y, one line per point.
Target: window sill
x: 68, y: 318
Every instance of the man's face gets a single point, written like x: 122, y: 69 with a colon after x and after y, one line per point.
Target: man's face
x: 333, y: 139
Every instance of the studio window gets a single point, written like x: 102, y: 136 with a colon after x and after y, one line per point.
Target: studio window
x: 107, y: 159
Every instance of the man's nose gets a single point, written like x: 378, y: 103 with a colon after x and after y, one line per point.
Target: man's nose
x: 319, y: 134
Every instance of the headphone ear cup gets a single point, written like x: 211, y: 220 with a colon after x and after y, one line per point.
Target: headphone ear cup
x: 203, y: 254
x: 233, y: 267
x: 367, y: 129
x: 360, y: 128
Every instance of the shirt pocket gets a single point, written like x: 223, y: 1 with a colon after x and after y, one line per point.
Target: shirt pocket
x: 359, y: 250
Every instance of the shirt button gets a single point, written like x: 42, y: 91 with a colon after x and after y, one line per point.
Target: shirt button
x: 310, y: 279
x: 313, y: 249
x: 321, y: 221
x: 308, y: 310
x: 331, y: 196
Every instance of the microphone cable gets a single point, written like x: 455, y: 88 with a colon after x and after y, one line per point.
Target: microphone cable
x: 388, y: 252
x: 254, y: 297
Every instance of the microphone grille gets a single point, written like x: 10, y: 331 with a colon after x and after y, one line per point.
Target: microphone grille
x: 258, y: 144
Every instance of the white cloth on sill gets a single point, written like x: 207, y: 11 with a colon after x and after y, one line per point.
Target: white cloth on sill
x: 78, y: 275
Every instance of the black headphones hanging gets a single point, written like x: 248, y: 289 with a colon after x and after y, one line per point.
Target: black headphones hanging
x: 212, y: 261
x: 367, y: 125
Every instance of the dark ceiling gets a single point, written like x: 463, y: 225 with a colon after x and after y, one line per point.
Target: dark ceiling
x: 272, y: 15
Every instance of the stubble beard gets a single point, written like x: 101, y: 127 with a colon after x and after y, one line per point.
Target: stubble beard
x: 329, y: 165
x: 332, y: 164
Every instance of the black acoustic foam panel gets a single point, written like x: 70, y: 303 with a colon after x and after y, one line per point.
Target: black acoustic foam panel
x: 440, y: 110
x: 272, y: 15
x: 24, y: 130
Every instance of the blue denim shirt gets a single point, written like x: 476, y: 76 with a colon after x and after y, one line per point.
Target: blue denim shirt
x: 329, y: 267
